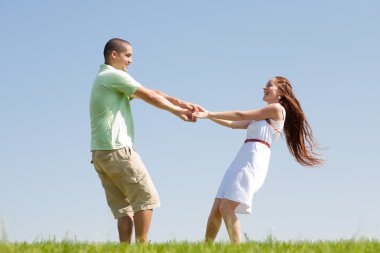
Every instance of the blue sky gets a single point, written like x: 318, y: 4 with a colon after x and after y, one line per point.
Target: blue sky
x: 218, y: 54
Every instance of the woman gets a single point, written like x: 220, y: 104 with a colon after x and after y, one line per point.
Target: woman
x: 247, y: 172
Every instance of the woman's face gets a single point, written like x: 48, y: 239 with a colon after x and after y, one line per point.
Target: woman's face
x: 271, y: 92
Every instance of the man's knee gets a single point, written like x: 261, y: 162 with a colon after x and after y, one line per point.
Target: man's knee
x: 125, y: 221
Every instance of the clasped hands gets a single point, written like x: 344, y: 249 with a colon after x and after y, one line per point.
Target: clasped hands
x: 190, y: 112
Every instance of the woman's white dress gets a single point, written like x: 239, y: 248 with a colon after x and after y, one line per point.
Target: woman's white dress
x: 248, y: 170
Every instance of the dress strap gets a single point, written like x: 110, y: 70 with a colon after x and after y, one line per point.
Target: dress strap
x: 283, y: 112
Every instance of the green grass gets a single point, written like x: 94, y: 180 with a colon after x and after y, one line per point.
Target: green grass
x: 270, y: 246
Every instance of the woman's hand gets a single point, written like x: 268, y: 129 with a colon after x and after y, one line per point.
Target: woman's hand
x: 200, y: 115
x: 199, y: 112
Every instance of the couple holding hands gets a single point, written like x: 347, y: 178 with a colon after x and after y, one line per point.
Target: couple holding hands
x: 130, y: 192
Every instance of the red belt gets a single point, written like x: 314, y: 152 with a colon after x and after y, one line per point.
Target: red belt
x: 257, y: 140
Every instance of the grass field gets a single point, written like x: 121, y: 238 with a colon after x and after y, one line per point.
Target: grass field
x: 344, y: 246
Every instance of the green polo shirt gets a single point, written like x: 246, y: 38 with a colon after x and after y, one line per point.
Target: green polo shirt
x: 110, y: 110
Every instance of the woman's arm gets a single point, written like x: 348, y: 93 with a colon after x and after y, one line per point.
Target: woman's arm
x: 272, y: 111
x: 243, y: 124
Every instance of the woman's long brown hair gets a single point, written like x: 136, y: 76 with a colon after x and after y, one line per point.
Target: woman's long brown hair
x: 298, y: 133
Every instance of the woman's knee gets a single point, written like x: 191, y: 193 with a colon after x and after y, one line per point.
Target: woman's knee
x: 227, y: 207
x: 215, y: 207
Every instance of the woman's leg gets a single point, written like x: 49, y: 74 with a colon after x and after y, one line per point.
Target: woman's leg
x: 214, y: 222
x: 227, y: 210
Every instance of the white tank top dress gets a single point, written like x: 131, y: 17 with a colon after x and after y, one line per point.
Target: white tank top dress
x: 248, y: 170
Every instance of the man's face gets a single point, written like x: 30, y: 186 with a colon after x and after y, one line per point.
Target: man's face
x: 123, y: 59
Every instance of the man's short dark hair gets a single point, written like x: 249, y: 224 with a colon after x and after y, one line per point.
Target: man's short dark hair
x: 114, y: 44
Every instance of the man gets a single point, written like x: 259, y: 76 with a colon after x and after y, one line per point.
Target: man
x: 130, y: 192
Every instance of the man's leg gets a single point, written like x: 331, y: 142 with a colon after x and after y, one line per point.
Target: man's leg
x: 227, y: 209
x: 115, y: 198
x: 133, y: 180
x: 142, y: 220
x: 125, y: 227
x: 214, y: 222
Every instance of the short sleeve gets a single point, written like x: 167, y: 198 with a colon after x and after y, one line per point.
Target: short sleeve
x: 124, y: 83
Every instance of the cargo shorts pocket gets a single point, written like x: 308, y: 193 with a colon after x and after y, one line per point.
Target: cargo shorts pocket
x: 134, y: 169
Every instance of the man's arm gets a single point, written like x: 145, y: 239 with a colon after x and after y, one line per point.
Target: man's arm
x: 156, y: 99
x: 176, y: 101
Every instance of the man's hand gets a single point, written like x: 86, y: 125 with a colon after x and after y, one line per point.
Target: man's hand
x: 192, y: 108
x: 200, y: 109
x: 186, y: 105
x: 184, y: 114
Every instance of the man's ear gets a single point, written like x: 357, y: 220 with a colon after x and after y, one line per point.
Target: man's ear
x: 113, y: 54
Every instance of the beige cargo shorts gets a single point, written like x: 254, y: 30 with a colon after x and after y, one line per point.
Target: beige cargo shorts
x: 126, y: 182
